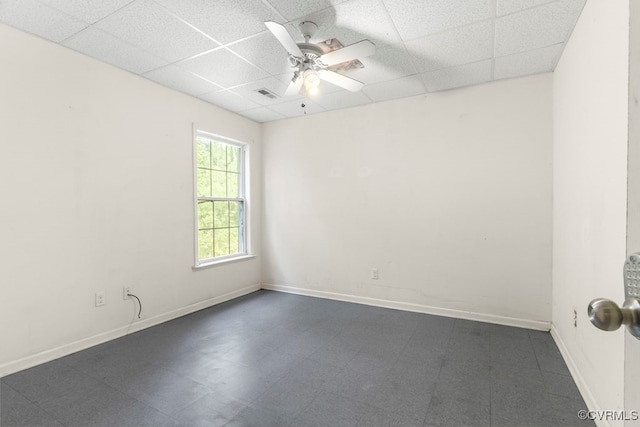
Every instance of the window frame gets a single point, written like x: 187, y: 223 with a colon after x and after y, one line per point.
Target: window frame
x: 243, y: 197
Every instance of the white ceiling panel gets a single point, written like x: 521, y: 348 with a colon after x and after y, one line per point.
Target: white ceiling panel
x: 262, y: 114
x: 526, y: 63
x: 229, y: 100
x: 463, y: 75
x: 389, y: 63
x: 224, y: 20
x: 293, y: 9
x: 352, y: 21
x: 400, y: 88
x: 39, y: 19
x: 294, y: 108
x: 89, y: 11
x: 265, y: 52
x: 341, y: 99
x: 150, y: 27
x: 534, y: 28
x: 418, y: 18
x: 180, y: 79
x: 107, y: 48
x: 224, y: 68
x: 221, y: 51
x: 505, y: 7
x: 463, y: 45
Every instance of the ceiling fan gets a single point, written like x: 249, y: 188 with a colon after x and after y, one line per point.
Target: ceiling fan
x: 316, y: 61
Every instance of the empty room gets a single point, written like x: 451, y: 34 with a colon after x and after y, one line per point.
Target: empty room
x: 319, y: 213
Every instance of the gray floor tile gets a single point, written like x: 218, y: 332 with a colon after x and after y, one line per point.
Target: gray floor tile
x: 287, y: 397
x: 563, y: 411
x: 459, y: 408
x: 547, y: 353
x: 253, y: 416
x: 270, y: 358
x: 214, y: 409
x: 513, y: 351
x: 524, y: 377
x: 420, y: 359
x: 331, y: 410
x: 376, y: 417
x: 163, y: 390
x: 312, y: 373
x: 86, y: 405
x: 560, y: 385
x: 361, y: 386
x: 367, y: 363
x: 50, y: 379
x: 241, y: 383
x: 406, y: 392
x: 468, y: 388
x: 136, y: 415
x: 16, y: 410
x: 334, y: 354
x: 458, y: 368
x: 515, y: 405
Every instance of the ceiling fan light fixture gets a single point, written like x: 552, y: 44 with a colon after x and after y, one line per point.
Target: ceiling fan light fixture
x: 311, y: 82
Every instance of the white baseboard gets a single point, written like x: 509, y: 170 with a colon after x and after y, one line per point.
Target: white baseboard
x: 589, y: 400
x: 407, y: 306
x: 64, y: 350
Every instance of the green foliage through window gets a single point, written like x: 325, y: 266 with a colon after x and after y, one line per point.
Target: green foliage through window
x: 220, y: 199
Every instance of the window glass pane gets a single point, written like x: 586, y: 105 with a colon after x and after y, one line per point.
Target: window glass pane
x: 234, y: 214
x: 205, y: 215
x: 220, y: 222
x: 219, y: 183
x: 204, y: 154
x: 221, y: 214
x: 218, y: 156
x: 221, y: 238
x: 233, y: 158
x: 234, y: 240
x: 205, y: 244
x: 233, y: 187
x: 204, y: 182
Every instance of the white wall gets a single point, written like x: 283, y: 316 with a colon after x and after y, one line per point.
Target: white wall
x: 589, y: 212
x: 448, y: 195
x: 97, y: 193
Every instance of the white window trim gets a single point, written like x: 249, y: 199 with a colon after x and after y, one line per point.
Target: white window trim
x: 245, y: 179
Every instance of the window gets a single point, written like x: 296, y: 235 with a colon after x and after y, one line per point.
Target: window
x: 221, y: 202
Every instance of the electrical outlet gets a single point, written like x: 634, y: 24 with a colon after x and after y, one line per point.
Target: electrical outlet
x: 374, y: 273
x: 100, y: 299
x: 125, y: 292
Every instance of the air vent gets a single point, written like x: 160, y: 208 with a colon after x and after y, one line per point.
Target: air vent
x: 267, y: 93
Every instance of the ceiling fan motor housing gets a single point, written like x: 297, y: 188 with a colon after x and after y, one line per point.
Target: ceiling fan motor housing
x: 308, y: 29
x: 313, y: 62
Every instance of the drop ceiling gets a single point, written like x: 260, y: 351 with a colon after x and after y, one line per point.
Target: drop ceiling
x: 221, y: 52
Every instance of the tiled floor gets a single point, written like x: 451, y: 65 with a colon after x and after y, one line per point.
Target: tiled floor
x: 274, y: 359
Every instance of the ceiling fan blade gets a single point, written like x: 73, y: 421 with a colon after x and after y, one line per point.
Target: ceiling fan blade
x: 294, y: 86
x: 340, y: 80
x: 283, y: 36
x: 353, y: 51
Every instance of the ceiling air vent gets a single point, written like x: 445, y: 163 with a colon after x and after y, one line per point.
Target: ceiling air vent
x: 267, y: 93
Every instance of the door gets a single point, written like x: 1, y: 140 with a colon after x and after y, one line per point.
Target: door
x: 632, y: 345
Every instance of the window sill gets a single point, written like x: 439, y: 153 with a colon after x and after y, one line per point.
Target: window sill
x: 223, y: 261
